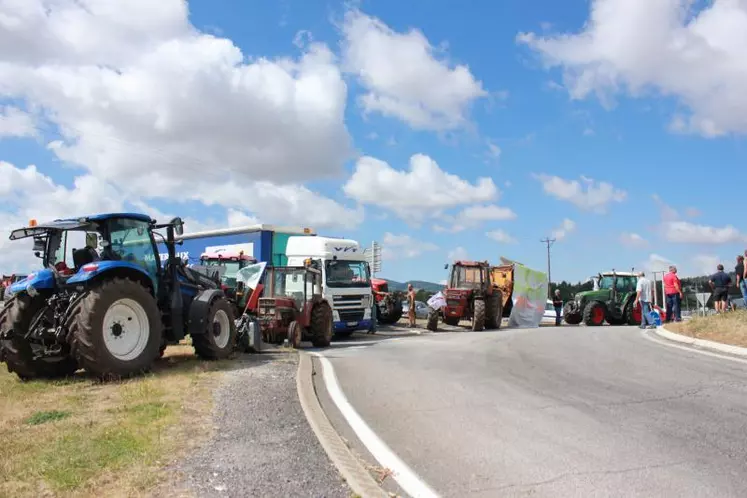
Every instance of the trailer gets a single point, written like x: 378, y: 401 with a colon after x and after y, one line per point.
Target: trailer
x: 264, y: 243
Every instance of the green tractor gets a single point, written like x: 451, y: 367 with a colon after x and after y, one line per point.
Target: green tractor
x: 612, y: 300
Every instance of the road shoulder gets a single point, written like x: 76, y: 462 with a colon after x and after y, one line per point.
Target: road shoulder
x: 701, y: 343
x: 262, y: 444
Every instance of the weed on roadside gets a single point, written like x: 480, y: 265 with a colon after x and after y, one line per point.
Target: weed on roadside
x: 726, y: 328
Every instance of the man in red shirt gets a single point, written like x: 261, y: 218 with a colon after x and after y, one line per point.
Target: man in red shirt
x: 673, y: 293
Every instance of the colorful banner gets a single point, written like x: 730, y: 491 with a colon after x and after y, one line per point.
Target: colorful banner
x: 529, y: 297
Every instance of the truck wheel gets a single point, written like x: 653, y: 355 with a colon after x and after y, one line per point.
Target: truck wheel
x: 15, y: 318
x: 116, y: 329
x: 218, y: 340
x: 432, y: 323
x: 321, y: 325
x: 478, y: 316
x: 594, y: 314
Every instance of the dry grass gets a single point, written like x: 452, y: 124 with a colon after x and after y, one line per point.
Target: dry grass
x: 728, y: 328
x: 80, y: 437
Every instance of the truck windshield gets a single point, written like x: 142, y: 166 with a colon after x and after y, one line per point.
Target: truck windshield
x: 347, y: 274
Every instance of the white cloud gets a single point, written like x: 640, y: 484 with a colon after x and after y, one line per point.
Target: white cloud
x: 633, y: 240
x: 693, y: 212
x: 16, y: 123
x: 656, y: 262
x: 404, y: 76
x: 458, y: 254
x: 667, y: 212
x: 501, y: 237
x: 587, y: 194
x: 566, y: 227
x: 474, y: 216
x: 494, y: 152
x: 689, y: 233
x: 236, y: 218
x: 148, y: 103
x: 705, y: 264
x: 424, y: 189
x: 673, y: 48
x: 404, y: 247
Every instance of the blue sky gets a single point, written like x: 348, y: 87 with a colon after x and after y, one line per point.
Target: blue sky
x: 608, y: 103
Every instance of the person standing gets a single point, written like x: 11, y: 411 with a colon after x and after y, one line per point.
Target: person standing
x: 720, y: 282
x: 557, y: 303
x: 739, y: 275
x: 674, y: 295
x: 411, y: 305
x: 643, y: 296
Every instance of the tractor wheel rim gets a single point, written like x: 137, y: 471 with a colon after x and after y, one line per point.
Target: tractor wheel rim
x: 598, y: 315
x: 221, y: 328
x: 126, y: 329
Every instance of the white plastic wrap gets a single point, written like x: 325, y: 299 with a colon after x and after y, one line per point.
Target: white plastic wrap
x: 437, y: 301
x: 529, y: 297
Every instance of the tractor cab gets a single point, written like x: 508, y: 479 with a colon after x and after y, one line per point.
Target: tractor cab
x: 229, y: 263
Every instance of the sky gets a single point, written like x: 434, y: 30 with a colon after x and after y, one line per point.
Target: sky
x: 615, y: 127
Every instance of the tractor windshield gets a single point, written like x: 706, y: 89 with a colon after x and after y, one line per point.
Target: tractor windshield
x: 232, y: 268
x: 296, y: 283
x: 624, y: 283
x: 466, y: 277
x: 130, y: 240
x: 347, y: 274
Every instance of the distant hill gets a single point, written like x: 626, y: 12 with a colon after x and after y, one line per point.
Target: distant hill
x: 418, y: 284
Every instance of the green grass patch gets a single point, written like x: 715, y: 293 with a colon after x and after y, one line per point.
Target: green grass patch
x: 47, y: 416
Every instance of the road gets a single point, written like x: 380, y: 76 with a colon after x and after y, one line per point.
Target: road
x: 568, y: 411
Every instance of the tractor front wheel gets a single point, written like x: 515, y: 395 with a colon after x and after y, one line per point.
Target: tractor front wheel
x: 321, y: 325
x: 116, y: 329
x: 594, y: 314
x: 478, y: 316
x: 218, y: 341
x: 15, y: 319
x: 494, y: 312
x: 295, y: 331
x: 634, y: 314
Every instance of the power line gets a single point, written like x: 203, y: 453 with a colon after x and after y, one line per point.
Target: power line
x: 549, y: 242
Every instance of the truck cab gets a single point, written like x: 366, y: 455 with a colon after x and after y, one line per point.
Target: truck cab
x: 346, y: 279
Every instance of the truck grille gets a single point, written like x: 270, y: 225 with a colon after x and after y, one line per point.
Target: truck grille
x: 351, y: 315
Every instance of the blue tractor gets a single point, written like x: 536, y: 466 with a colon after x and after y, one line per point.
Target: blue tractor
x: 110, y: 311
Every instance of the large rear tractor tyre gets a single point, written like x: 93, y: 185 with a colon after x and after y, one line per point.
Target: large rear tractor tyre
x: 116, y: 329
x: 15, y: 318
x: 478, y: 316
x: 432, y: 321
x: 594, y: 314
x: 634, y: 315
x: 218, y: 340
x: 321, y: 325
x: 389, y: 310
x: 494, y: 313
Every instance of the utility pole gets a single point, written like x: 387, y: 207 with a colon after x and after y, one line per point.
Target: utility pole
x: 549, y: 242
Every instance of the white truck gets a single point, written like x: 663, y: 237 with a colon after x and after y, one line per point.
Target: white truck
x: 346, y: 278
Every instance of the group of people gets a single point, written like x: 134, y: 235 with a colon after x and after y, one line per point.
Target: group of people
x: 673, y: 295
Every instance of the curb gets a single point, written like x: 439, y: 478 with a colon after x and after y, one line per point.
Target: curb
x: 701, y: 343
x: 358, y: 478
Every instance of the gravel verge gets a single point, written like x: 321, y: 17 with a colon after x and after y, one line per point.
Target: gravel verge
x: 262, y: 444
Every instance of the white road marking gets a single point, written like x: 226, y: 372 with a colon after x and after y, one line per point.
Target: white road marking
x: 690, y: 348
x: 405, y: 477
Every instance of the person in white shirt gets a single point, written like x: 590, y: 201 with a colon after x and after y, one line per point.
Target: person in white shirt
x: 643, y: 295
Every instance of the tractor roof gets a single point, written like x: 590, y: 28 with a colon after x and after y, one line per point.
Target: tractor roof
x: 619, y: 274
x: 470, y: 263
x: 73, y: 224
x: 227, y: 255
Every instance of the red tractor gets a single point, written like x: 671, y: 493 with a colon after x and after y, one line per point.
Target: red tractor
x: 7, y: 281
x: 292, y: 307
x: 470, y: 295
x: 388, y: 304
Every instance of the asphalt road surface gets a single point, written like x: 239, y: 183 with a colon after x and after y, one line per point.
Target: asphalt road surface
x: 568, y: 411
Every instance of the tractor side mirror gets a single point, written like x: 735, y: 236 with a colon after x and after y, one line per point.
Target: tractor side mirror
x: 39, y: 244
x: 178, y: 226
